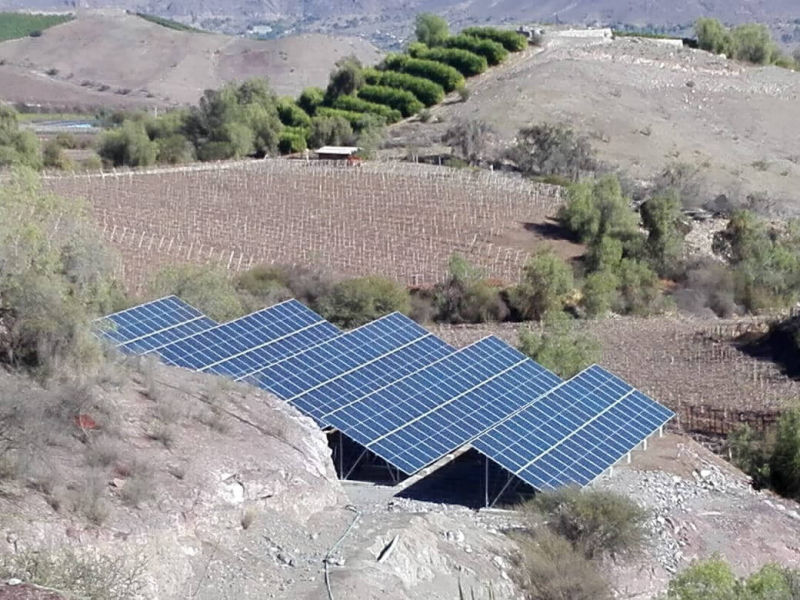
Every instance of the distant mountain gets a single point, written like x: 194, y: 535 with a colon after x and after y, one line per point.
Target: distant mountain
x: 389, y: 20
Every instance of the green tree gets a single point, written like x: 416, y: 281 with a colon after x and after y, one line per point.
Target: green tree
x: 128, y: 145
x: 713, y: 36
x: 546, y: 284
x: 432, y: 30
x: 54, y: 157
x: 17, y: 147
x: 772, y: 582
x: 639, y: 291
x: 605, y: 254
x: 55, y: 274
x: 207, y: 288
x: 599, y: 293
x: 559, y: 346
x: 466, y: 297
x: 310, y: 99
x: 325, y: 131
x: 707, y: 580
x: 346, y: 78
x: 662, y: 218
x: 784, y: 464
x: 753, y: 43
x: 354, y: 302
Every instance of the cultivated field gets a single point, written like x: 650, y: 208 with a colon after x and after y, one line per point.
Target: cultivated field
x: 399, y: 220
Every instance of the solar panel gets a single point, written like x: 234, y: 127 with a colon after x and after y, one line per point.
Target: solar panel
x: 422, y: 417
x: 167, y: 336
x: 338, y: 356
x: 575, y: 432
x: 127, y: 327
x: 208, y: 350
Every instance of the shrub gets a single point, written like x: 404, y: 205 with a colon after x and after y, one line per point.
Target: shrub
x: 748, y: 450
x: 713, y: 36
x: 546, y: 284
x: 330, y: 129
x: 53, y: 157
x: 662, y: 218
x: 596, y: 522
x: 292, y: 141
x: 753, y: 43
x: 354, y: 104
x: 204, y: 287
x: 128, y: 145
x: 559, y: 347
x: 510, y: 40
x: 493, y: 52
x: 352, y: 118
x: 469, y: 139
x: 354, y: 302
x: 430, y: 29
x: 345, y: 79
x: 464, y: 61
x: 292, y: 115
x: 445, y: 75
x: 599, y: 293
x: 173, y: 150
x: 551, y: 569
x: 545, y: 149
x: 263, y: 286
x: 310, y: 99
x: 401, y: 100
x: 426, y: 91
x: 639, y: 291
x: 466, y: 297
x: 784, y: 464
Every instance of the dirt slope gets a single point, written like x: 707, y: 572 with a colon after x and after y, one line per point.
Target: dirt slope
x: 645, y: 105
x: 115, y: 58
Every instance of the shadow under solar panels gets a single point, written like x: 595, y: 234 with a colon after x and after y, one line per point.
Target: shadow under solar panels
x: 151, y: 325
x: 339, y: 356
x: 272, y: 327
x: 575, y: 432
x: 422, y: 417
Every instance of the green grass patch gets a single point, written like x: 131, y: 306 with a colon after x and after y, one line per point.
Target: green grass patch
x: 169, y: 23
x: 18, y: 25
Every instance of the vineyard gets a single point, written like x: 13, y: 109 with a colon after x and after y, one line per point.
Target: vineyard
x: 403, y: 221
x: 690, y: 365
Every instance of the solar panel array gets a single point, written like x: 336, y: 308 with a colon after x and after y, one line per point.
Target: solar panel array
x: 404, y: 394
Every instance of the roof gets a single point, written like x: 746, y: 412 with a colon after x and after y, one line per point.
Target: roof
x: 343, y: 150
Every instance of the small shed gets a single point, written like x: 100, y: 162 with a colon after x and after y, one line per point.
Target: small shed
x: 337, y: 152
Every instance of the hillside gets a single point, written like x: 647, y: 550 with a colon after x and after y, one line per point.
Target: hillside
x: 112, y: 58
x: 387, y: 21
x: 646, y: 105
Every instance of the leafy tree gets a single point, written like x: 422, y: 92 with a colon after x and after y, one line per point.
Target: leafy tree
x: 753, y: 43
x: 292, y: 115
x: 661, y: 216
x: 596, y: 209
x: 17, y: 147
x: 493, y: 52
x: 334, y: 130
x: 605, y: 254
x: 398, y: 99
x: 784, y: 464
x: 53, y: 156
x: 708, y: 580
x: 466, y: 297
x: 546, y: 284
x: 469, y: 139
x: 311, y: 99
x: 354, y: 302
x: 559, y: 347
x: 444, y: 75
x: 55, y: 274
x: 546, y: 149
x: 128, y: 145
x: 345, y: 79
x: 772, y: 582
x: 713, y: 36
x: 599, y: 293
x: 511, y: 40
x: 431, y: 30
x: 639, y: 291
x: 262, y: 286
x: 207, y: 288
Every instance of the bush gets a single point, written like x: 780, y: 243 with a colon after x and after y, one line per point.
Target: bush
x: 546, y: 285
x: 708, y: 580
x: 469, y: 139
x: 545, y: 150
x: 663, y: 220
x: 128, y: 145
x: 510, y: 40
x: 426, y: 91
x: 431, y: 29
x: 345, y: 79
x: 464, y: 61
x: 292, y: 141
x: 784, y: 464
x: 207, y: 288
x: 493, y: 52
x: 263, y: 286
x: 599, y: 293
x: 639, y: 291
x: 310, y: 99
x: 753, y: 43
x: 551, y: 569
x: 352, y: 118
x: 466, y: 297
x: 330, y: 129
x: 53, y: 157
x: 559, y: 347
x: 354, y: 302
x: 291, y: 115
x: 56, y: 274
x: 713, y: 36
x: 596, y: 522
x: 401, y: 100
x: 445, y: 75
x: 354, y: 104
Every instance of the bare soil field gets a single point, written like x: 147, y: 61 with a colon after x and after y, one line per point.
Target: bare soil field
x: 116, y: 59
x: 399, y: 220
x: 646, y: 105
x: 679, y: 361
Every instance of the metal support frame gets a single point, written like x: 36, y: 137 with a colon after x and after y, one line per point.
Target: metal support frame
x: 355, y: 464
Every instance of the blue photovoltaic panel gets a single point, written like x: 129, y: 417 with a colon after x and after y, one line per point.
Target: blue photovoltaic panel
x: 167, y: 336
x: 349, y: 387
x: 425, y: 396
x: 333, y: 358
x: 455, y: 423
x: 209, y: 348
x: 146, y: 319
x: 574, y: 433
